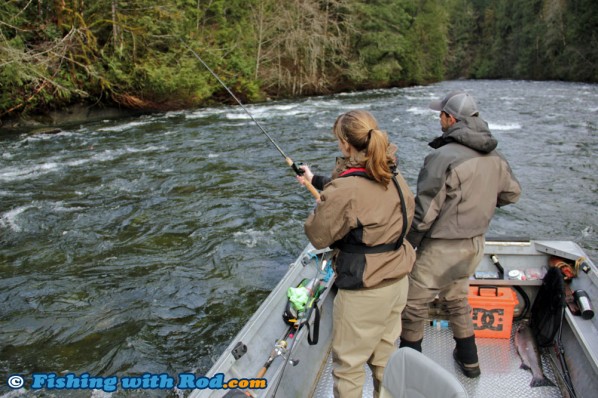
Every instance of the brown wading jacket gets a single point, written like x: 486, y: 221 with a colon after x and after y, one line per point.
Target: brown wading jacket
x: 359, y: 211
x: 461, y: 184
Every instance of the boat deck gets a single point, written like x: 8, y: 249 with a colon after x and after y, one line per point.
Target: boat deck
x: 500, y: 364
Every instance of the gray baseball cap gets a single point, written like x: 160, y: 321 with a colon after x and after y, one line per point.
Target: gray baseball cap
x: 459, y: 104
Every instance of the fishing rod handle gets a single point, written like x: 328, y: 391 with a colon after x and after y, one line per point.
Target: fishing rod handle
x: 307, y: 184
x: 261, y: 373
x: 312, y: 189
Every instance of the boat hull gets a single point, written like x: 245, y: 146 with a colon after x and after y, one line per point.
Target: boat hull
x: 266, y: 327
x: 310, y: 376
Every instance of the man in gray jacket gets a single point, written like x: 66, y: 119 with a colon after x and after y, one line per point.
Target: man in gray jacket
x: 458, y: 189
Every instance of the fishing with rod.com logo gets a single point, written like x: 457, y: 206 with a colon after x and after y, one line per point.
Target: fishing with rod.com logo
x: 147, y: 381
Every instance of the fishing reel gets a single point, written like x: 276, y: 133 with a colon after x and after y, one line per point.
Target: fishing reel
x: 280, y: 347
x: 297, y: 168
x: 280, y: 350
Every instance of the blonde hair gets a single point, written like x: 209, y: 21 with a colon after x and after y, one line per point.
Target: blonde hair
x: 360, y: 129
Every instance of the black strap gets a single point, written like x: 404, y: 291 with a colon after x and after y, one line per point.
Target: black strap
x: 316, y: 336
x: 403, y: 211
x: 384, y: 247
x: 354, y: 248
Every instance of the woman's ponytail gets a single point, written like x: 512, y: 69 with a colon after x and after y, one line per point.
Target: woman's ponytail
x: 376, y: 159
x: 360, y: 129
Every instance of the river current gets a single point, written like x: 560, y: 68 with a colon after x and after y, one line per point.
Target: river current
x: 143, y: 245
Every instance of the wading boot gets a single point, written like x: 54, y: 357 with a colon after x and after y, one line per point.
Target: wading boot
x: 466, y: 356
x: 416, y: 345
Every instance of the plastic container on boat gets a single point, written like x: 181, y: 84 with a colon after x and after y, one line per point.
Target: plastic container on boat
x: 516, y: 274
x: 439, y: 324
x: 492, y: 310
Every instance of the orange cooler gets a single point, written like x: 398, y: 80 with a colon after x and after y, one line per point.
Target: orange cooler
x: 492, y: 310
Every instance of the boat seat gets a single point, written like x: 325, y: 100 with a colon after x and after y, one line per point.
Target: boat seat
x: 411, y: 374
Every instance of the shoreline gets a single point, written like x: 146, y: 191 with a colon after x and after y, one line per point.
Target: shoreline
x: 54, y: 121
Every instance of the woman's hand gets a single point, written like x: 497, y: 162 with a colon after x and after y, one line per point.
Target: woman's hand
x: 307, y: 174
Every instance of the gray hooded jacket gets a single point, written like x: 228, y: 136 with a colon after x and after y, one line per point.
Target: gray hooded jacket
x: 461, y: 184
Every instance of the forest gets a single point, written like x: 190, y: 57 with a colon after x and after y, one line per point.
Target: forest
x: 143, y: 55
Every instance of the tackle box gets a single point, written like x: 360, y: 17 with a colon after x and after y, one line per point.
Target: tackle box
x: 492, y: 310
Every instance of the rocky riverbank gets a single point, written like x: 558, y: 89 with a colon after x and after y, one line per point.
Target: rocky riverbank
x: 55, y: 121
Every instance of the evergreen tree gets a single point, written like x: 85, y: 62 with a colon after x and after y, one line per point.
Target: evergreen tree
x: 139, y: 54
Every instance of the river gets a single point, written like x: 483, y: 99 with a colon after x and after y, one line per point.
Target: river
x: 144, y: 244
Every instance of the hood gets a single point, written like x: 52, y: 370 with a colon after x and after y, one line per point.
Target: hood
x: 344, y: 163
x: 472, y: 132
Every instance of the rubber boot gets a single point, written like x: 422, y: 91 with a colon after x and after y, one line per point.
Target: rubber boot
x: 416, y: 345
x: 466, y: 356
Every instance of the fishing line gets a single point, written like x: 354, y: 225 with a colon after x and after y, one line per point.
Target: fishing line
x: 289, y: 161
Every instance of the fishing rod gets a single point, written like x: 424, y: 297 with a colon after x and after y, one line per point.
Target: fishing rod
x: 282, y: 348
x: 303, y: 319
x: 290, y: 162
x: 316, y: 286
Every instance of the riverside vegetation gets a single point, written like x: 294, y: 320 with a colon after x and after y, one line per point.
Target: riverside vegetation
x: 135, y: 54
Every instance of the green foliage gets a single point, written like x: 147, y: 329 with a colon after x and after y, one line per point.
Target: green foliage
x: 378, y: 42
x: 138, y: 53
x: 463, y: 39
x: 428, y: 39
x: 575, y: 49
x: 535, y: 39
